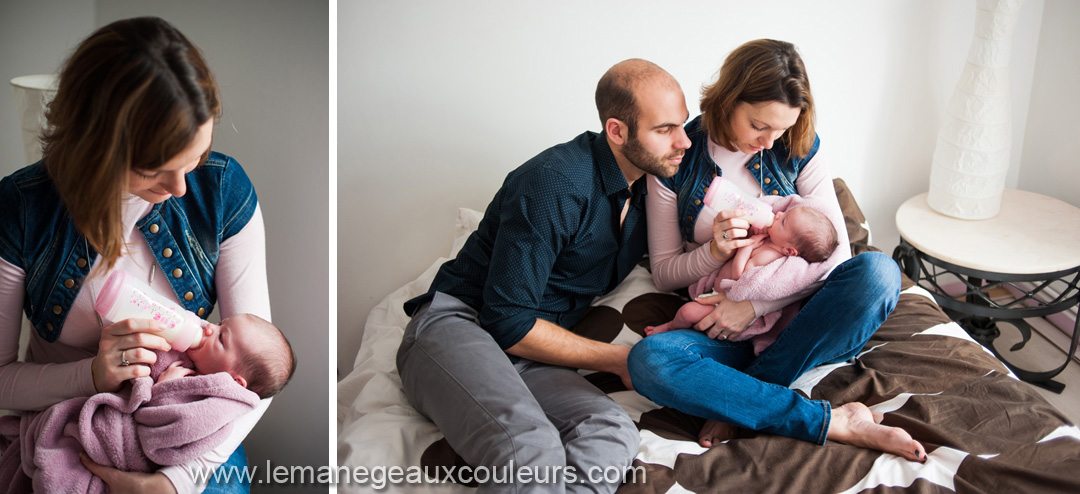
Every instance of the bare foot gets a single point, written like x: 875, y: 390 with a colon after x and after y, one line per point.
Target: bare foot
x: 856, y: 425
x: 713, y: 433
x: 651, y: 330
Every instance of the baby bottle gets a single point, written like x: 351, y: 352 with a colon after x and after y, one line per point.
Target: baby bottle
x: 724, y: 194
x: 124, y: 297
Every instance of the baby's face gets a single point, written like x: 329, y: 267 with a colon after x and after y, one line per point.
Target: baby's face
x: 226, y: 345
x: 783, y: 230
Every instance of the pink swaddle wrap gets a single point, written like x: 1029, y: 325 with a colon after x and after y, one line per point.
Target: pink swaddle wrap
x: 141, y: 427
x: 779, y: 279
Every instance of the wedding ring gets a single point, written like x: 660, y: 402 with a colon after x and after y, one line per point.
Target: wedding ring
x: 723, y: 337
x: 123, y: 358
x: 726, y: 237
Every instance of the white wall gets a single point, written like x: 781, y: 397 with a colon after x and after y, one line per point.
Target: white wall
x: 1051, y: 164
x: 34, y: 38
x: 438, y: 101
x: 271, y: 60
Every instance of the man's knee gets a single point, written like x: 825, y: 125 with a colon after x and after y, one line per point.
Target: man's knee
x: 605, y: 438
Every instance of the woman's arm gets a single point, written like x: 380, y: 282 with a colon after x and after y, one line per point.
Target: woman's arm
x: 671, y: 267
x: 240, y: 279
x: 21, y: 383
x: 815, y: 182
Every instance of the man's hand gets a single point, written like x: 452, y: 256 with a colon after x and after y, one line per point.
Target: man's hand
x: 549, y: 343
x: 622, y: 371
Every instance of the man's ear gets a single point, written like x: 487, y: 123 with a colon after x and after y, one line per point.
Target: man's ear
x: 617, y: 131
x: 241, y: 381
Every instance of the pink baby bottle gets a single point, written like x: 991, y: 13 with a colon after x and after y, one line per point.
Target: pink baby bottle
x: 124, y: 297
x: 724, y: 194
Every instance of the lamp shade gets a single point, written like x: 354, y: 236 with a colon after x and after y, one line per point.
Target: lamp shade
x: 32, y: 94
x: 972, y: 155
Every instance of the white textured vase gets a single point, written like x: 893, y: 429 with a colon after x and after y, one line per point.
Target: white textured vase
x: 32, y: 94
x: 971, y: 159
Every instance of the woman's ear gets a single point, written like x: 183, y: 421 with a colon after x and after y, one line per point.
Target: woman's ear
x: 617, y: 131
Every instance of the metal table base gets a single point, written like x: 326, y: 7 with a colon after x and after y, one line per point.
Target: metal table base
x: 978, y: 313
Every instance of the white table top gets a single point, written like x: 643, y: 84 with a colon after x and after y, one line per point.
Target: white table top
x: 1032, y: 234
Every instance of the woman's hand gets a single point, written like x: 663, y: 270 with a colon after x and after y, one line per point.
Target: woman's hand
x: 729, y: 233
x: 124, y: 482
x: 728, y: 319
x: 123, y: 344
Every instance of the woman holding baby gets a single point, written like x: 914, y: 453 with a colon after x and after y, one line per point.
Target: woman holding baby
x: 128, y: 182
x: 757, y: 129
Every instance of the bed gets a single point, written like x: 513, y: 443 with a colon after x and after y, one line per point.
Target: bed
x: 984, y: 430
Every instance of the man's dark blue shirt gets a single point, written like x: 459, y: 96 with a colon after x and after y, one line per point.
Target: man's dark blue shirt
x: 549, y: 243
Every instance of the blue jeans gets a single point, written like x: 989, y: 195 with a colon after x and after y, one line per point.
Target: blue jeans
x: 723, y: 380
x: 238, y: 462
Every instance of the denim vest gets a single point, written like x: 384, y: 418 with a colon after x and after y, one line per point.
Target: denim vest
x: 183, y: 233
x: 774, y: 170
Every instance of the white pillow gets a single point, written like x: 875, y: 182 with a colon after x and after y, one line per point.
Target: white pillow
x: 468, y: 220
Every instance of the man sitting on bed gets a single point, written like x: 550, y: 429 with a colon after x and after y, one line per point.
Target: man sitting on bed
x: 486, y: 356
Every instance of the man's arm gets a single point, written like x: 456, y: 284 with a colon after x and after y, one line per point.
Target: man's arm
x: 551, y: 344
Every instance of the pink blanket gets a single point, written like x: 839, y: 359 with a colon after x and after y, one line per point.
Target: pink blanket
x: 779, y: 279
x: 143, y: 426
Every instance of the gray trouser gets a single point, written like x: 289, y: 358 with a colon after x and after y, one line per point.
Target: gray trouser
x: 497, y: 414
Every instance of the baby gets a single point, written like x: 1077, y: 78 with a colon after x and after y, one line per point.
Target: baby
x: 250, y: 349
x: 800, y: 231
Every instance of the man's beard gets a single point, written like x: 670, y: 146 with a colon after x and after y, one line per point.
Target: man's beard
x: 650, y: 163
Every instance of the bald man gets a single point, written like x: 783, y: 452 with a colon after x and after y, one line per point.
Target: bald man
x: 487, y: 356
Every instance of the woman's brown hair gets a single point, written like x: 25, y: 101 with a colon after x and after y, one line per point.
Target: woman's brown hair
x: 760, y: 71
x: 130, y: 97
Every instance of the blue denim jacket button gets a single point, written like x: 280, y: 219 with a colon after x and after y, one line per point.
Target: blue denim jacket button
x: 154, y: 228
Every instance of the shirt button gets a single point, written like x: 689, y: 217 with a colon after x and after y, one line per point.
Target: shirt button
x: 56, y: 309
x: 69, y: 283
x: 776, y: 192
x: 689, y: 218
x: 768, y: 180
x: 697, y: 202
x: 154, y: 228
x: 757, y: 166
x: 201, y: 311
x: 167, y: 252
x: 188, y: 296
x: 176, y: 273
x: 714, y: 175
x: 81, y: 262
x: 49, y: 326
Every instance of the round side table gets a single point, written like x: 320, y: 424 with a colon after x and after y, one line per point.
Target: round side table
x: 1031, y: 249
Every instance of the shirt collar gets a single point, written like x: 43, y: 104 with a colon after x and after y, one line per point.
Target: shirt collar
x: 611, y: 176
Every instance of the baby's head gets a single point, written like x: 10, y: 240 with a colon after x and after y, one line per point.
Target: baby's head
x: 253, y: 351
x: 805, y: 232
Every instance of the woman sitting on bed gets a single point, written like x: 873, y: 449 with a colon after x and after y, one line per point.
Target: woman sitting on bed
x: 128, y: 181
x: 757, y: 129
